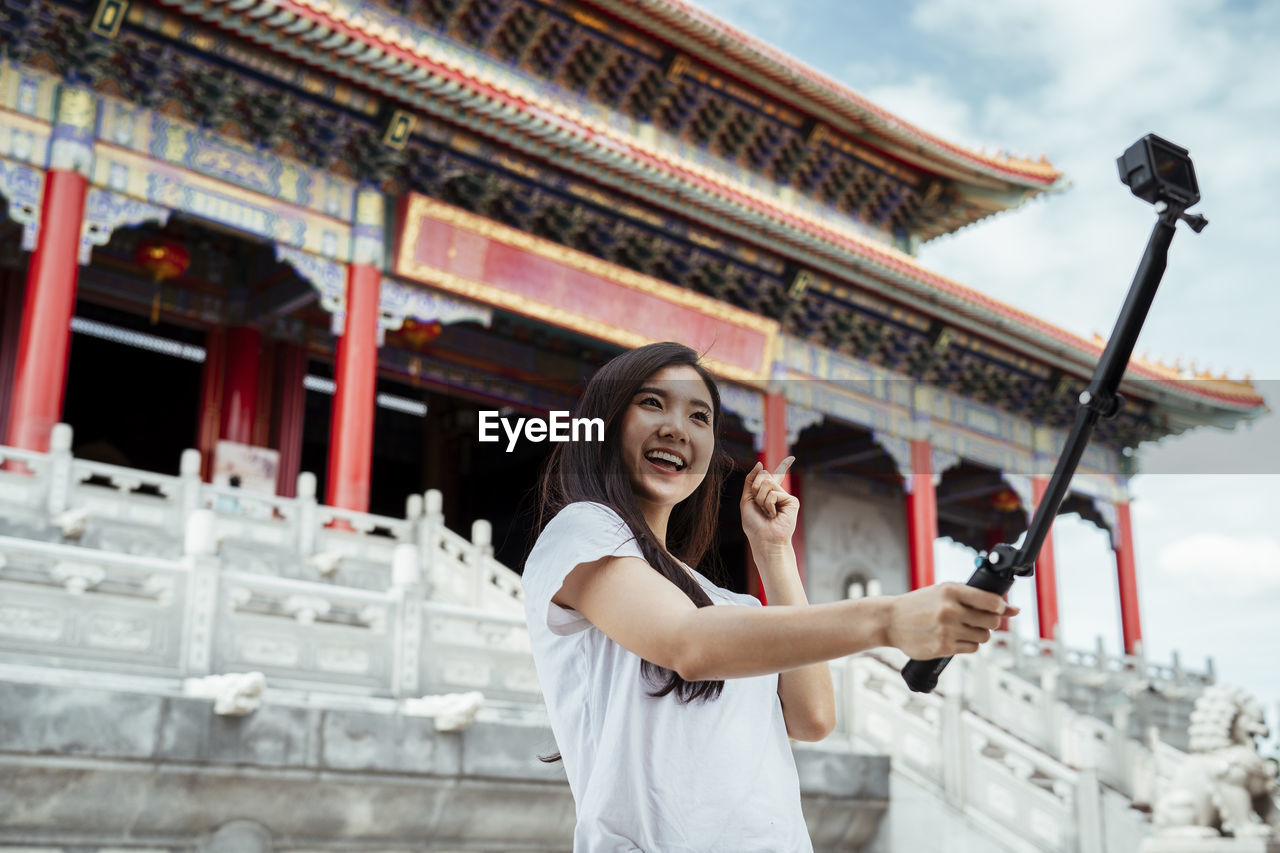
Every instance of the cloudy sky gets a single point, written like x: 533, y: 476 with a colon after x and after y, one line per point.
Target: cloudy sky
x: 1080, y: 82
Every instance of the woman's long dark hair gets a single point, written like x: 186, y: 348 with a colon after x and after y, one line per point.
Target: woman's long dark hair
x: 596, y: 472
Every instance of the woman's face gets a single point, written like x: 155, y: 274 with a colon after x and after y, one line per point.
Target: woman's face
x: 667, y: 437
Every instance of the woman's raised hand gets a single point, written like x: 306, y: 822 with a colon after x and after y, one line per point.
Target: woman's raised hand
x: 945, y: 619
x: 769, y: 513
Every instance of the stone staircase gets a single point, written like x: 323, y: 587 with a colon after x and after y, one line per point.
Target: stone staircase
x: 1017, y: 761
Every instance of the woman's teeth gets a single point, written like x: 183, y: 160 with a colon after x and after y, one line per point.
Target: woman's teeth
x: 665, y: 460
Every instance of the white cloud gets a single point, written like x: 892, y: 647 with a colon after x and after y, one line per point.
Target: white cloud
x: 1085, y: 80
x: 926, y: 101
x: 1242, y: 565
x: 769, y: 22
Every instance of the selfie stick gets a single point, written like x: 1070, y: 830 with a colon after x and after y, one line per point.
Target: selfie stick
x: 1161, y: 173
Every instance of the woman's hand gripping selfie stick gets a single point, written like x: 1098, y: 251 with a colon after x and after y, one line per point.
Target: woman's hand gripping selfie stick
x: 1159, y: 172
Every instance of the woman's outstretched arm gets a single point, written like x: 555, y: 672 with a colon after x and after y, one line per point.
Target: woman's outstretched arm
x: 648, y: 615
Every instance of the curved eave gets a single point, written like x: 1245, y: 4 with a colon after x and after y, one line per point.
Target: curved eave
x: 388, y: 63
x: 1181, y: 413
x: 717, y: 44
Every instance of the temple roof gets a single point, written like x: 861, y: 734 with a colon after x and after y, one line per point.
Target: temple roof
x: 681, y: 90
x: 719, y: 44
x: 773, y: 233
x: 371, y: 46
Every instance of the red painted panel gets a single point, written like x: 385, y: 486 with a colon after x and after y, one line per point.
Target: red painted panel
x: 551, y: 283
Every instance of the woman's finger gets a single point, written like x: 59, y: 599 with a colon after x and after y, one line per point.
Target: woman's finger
x: 764, y: 482
x: 981, y: 619
x: 771, y: 503
x: 749, y: 481
x: 783, y: 467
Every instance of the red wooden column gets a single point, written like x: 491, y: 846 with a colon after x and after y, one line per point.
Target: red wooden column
x: 1126, y: 569
x: 44, y: 340
x: 289, y: 411
x: 211, y: 383
x: 356, y: 371
x: 239, y: 411
x: 232, y: 390
x: 774, y: 447
x: 1046, y: 577
x: 922, y: 513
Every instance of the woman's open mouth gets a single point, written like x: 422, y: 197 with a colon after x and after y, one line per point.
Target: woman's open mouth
x: 666, y: 462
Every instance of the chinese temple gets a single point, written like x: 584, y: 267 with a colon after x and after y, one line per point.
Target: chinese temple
x: 313, y: 239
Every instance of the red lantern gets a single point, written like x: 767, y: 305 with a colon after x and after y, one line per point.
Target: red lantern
x: 163, y: 259
x: 1006, y: 501
x: 418, y: 334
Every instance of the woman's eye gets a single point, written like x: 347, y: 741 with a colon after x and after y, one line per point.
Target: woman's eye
x: 705, y: 417
x: 648, y: 400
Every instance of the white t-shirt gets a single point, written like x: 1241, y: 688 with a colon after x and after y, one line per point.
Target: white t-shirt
x: 656, y: 775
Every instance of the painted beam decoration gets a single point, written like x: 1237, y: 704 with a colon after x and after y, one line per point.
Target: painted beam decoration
x: 478, y: 259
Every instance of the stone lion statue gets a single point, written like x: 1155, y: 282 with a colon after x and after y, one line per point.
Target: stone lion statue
x: 1224, y: 787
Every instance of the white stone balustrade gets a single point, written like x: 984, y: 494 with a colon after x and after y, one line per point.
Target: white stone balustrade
x: 68, y: 606
x: 56, y: 490
x: 1100, y: 685
x: 371, y: 605
x: 60, y: 603
x: 1032, y: 779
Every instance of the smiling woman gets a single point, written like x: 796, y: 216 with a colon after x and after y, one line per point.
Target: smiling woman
x: 671, y: 698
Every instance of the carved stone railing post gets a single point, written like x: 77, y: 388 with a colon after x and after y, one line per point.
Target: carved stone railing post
x: 429, y: 536
x: 59, y: 482
x: 413, y: 509
x: 406, y: 576
x: 200, y: 550
x: 955, y: 748
x: 1052, y: 709
x: 1124, y: 750
x: 189, y: 474
x: 308, y: 515
x: 1088, y: 804
x: 482, y: 552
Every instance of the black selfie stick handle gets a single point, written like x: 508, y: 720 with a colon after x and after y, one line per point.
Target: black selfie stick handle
x: 922, y: 675
x: 997, y: 570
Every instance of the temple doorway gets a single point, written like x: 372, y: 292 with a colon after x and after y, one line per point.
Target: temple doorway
x: 132, y: 395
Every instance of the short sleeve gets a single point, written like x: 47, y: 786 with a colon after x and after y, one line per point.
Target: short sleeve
x: 580, y: 533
